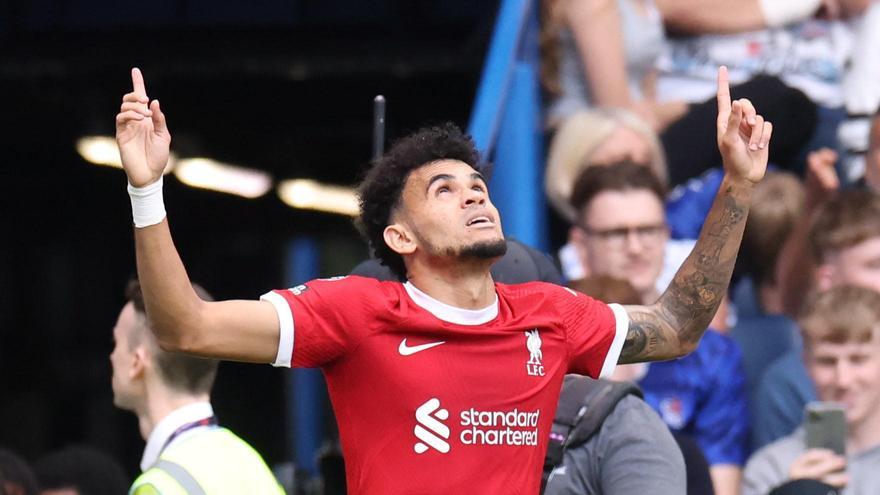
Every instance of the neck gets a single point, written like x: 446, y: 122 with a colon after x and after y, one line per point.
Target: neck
x: 161, y: 402
x: 865, y: 435
x: 466, y: 285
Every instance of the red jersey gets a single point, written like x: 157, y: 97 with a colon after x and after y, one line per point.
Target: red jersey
x: 430, y: 398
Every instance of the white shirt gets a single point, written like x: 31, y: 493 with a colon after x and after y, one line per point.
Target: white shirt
x: 677, y: 250
x: 811, y: 56
x: 168, y: 425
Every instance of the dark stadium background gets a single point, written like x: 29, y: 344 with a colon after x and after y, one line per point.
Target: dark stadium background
x: 282, y: 86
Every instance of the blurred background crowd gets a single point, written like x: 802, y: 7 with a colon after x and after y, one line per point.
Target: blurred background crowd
x: 599, y: 119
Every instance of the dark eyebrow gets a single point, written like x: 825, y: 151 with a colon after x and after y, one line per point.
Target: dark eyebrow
x: 475, y: 176
x: 435, y: 179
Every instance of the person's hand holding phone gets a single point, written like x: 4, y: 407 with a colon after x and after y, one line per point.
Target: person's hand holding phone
x: 821, y: 465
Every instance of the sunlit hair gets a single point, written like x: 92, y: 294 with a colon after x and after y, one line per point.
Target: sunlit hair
x: 574, y: 143
x: 847, y: 219
x: 842, y: 314
x: 380, y: 191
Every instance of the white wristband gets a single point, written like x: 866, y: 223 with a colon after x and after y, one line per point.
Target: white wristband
x: 781, y: 12
x: 147, y: 205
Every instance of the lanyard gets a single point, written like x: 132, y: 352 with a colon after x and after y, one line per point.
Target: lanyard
x: 210, y: 421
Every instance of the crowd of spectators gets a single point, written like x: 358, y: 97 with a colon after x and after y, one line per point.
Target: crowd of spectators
x: 637, y: 89
x: 632, y: 168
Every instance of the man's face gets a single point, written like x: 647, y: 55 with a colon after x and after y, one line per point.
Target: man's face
x: 848, y: 373
x: 447, y: 210
x: 854, y: 265
x: 123, y: 357
x: 624, y: 235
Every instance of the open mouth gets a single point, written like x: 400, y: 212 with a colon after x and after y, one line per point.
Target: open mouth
x: 481, y: 220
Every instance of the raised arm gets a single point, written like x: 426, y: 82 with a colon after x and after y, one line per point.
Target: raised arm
x: 595, y: 25
x: 597, y: 31
x: 673, y: 326
x: 238, y: 330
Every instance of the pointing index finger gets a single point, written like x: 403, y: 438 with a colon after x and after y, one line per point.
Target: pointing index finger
x: 137, y: 82
x: 723, y: 94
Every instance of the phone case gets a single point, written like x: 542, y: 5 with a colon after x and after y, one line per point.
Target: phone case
x: 825, y: 423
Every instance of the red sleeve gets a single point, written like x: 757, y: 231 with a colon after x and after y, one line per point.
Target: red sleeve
x: 595, y: 333
x: 324, y: 319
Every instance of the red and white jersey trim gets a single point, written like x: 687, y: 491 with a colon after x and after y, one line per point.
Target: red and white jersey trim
x: 285, y: 320
x: 621, y: 319
x: 451, y: 314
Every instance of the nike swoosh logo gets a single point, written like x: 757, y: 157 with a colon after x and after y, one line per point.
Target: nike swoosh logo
x: 406, y: 350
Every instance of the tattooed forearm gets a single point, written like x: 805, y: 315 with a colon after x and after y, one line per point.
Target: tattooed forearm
x: 644, y: 337
x: 677, y: 321
x: 636, y: 341
x: 696, y: 291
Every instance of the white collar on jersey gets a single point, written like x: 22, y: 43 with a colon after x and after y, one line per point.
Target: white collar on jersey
x: 449, y: 313
x: 168, y: 425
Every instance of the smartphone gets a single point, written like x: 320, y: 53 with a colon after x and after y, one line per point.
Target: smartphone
x: 825, y: 423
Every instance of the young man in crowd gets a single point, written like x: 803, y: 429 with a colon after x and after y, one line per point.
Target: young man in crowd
x: 446, y: 383
x: 844, y: 240
x: 841, y: 330
x: 186, y: 451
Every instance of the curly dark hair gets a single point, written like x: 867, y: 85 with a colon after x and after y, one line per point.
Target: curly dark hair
x: 380, y: 191
x: 83, y: 469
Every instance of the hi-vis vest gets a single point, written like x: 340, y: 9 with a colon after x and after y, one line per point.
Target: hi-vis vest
x: 211, y: 461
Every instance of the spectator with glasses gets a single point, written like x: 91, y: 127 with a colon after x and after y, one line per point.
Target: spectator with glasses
x: 620, y: 231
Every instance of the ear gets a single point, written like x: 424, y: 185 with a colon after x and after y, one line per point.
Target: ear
x: 399, y: 239
x: 139, y: 363
x: 807, y: 358
x: 826, y: 275
x: 578, y: 240
x: 576, y: 236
